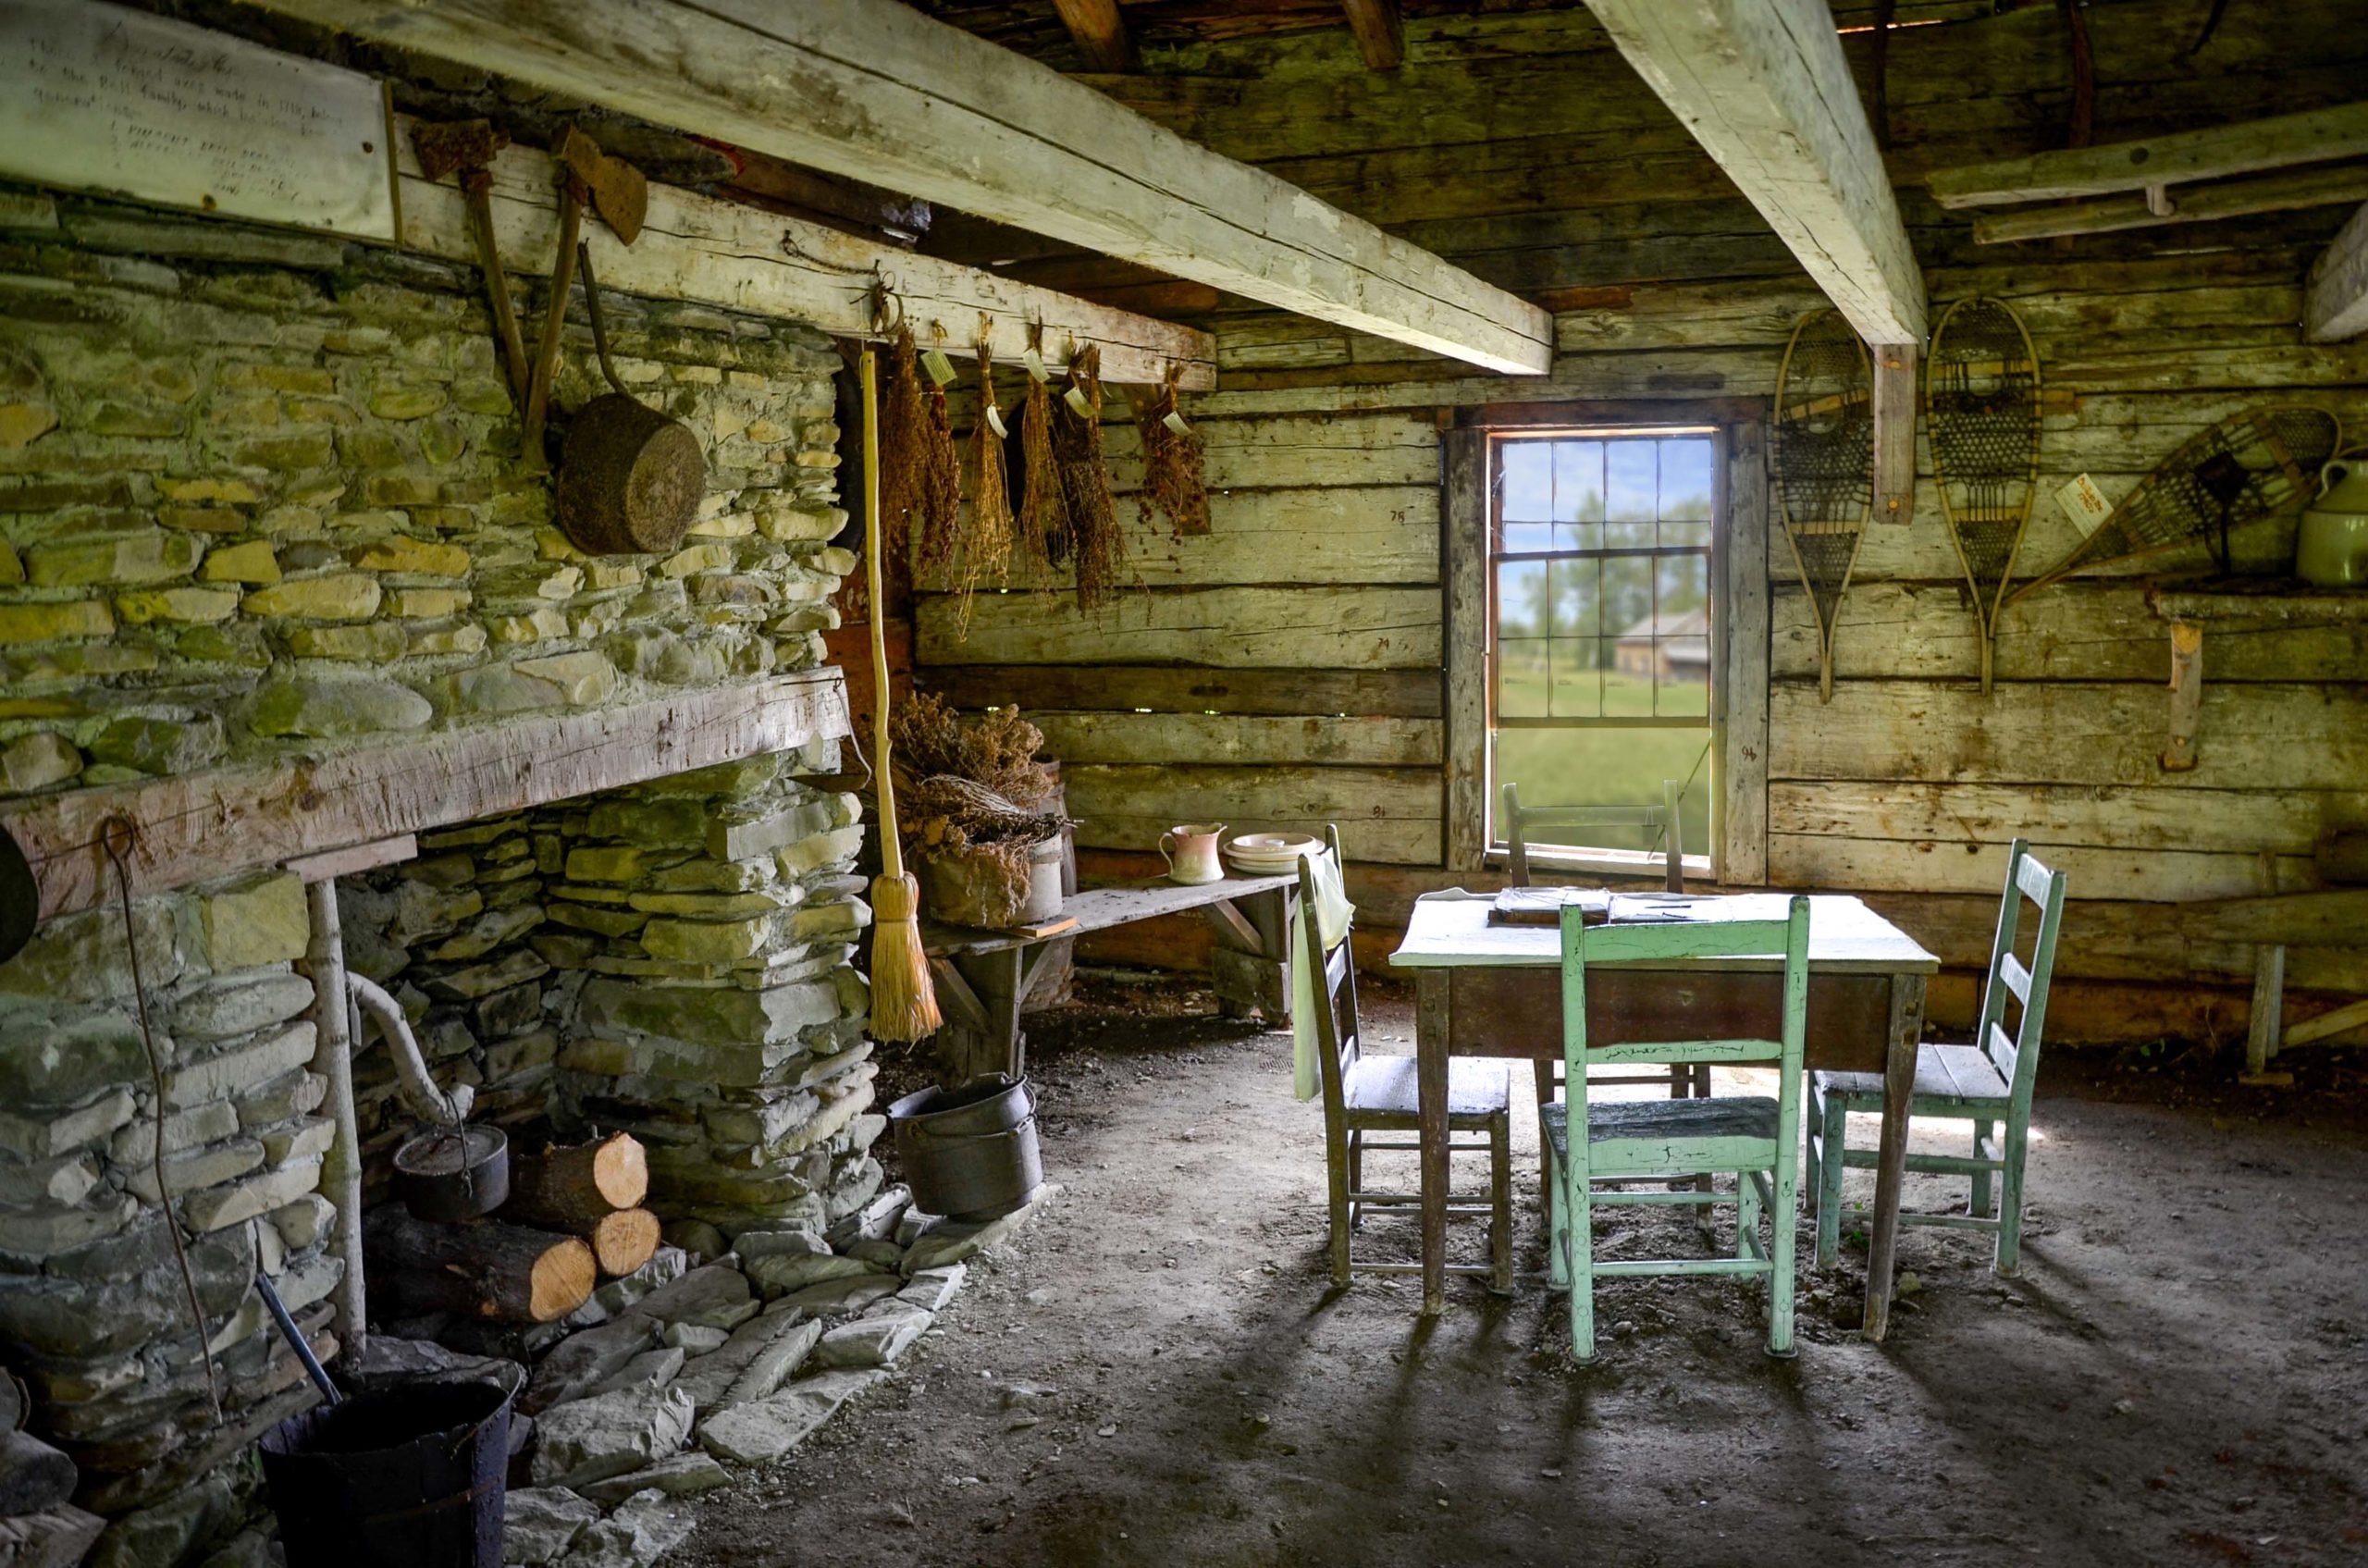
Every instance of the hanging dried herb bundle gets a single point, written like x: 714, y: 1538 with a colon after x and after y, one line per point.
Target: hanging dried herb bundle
x: 997, y: 749
x: 1085, y: 483
x: 1173, y: 481
x: 920, y: 482
x: 987, y: 549
x: 1044, y: 531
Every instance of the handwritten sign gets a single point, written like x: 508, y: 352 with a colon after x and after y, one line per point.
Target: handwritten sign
x: 2084, y: 504
x: 94, y: 97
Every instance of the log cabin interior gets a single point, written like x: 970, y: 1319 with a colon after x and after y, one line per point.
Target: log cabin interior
x: 744, y: 747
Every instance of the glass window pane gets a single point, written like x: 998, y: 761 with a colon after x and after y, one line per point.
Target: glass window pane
x: 1608, y: 767
x: 1524, y: 599
x: 1520, y: 678
x: 1577, y: 599
x: 1686, y: 480
x: 1525, y: 537
x: 1631, y: 481
x: 1578, y: 481
x: 1528, y: 479
x: 1577, y: 691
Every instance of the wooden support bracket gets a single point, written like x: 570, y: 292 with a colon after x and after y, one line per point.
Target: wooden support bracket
x: 1895, y: 432
x: 2186, y: 696
x: 1232, y: 923
x: 2262, y: 1029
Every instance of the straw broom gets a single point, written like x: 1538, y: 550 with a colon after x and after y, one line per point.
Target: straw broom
x: 904, y: 1005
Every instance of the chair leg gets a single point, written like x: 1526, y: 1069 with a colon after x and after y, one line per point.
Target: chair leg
x: 1544, y: 1071
x: 1580, y: 1203
x: 1336, y: 1156
x: 1747, y: 1214
x: 1558, y: 1225
x: 2009, y: 1261
x: 1356, y: 1178
x: 1782, y: 1229
x: 1836, y: 1140
x: 1978, y: 1204
x: 1813, y: 1124
x: 1500, y: 1198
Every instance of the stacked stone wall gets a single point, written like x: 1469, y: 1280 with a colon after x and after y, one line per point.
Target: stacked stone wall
x: 260, y: 494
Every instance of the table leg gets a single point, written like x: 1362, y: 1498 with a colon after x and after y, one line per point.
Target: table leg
x: 1906, y: 1028
x: 1430, y: 1079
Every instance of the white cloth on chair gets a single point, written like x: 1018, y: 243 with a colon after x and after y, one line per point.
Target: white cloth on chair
x: 1333, y: 913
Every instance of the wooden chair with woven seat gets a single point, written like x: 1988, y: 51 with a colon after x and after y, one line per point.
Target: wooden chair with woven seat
x: 1519, y: 821
x: 1988, y: 1083
x: 1755, y: 1137
x: 1364, y: 1095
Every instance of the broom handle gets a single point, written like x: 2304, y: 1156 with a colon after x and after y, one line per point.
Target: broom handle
x: 892, y: 852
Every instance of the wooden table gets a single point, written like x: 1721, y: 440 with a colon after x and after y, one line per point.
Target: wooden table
x: 984, y: 978
x: 1484, y: 990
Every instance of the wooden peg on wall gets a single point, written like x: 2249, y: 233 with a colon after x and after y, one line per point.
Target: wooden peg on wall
x: 1894, y: 431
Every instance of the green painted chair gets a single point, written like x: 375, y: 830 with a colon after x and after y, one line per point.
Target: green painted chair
x: 1988, y: 1083
x: 1755, y: 1137
x: 1364, y: 1095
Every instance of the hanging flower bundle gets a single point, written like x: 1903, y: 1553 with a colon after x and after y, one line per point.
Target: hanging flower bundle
x: 1085, y: 483
x: 1044, y: 532
x: 1173, y: 464
x: 920, y: 480
x: 987, y: 549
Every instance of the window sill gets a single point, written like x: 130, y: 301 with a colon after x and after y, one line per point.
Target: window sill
x: 1605, y: 862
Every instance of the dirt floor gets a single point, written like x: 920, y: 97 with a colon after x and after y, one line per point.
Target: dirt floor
x: 1156, y: 1370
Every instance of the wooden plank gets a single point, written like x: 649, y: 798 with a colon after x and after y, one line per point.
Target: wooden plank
x: 1099, y: 32
x: 1894, y: 398
x: 1099, y: 908
x: 1952, y: 865
x: 1980, y: 819
x: 2313, y: 136
x: 1238, y: 738
x: 1763, y: 85
x: 2269, y: 999
x: 878, y: 91
x: 355, y: 859
x: 110, y: 99
x: 696, y: 247
x: 1380, y: 32
x: 2263, y: 736
x: 1469, y: 636
x: 2198, y: 203
x: 2095, y: 629
x: 1741, y: 843
x: 1385, y: 814
x: 1228, y: 627
x: 2335, y: 305
x: 1398, y: 694
x: 2327, y: 1025
x: 205, y: 825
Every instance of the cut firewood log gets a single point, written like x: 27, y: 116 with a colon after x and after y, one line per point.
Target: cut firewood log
x: 484, y: 1268
x: 34, y: 1478
x: 572, y: 1185
x: 623, y: 1241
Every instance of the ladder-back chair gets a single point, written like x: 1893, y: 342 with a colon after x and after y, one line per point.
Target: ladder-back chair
x: 1756, y: 1137
x: 1364, y: 1095
x: 1988, y: 1083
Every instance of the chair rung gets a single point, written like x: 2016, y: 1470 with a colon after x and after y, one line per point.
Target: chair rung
x: 1477, y: 1146
x: 1952, y: 1221
x: 1681, y: 1266
x: 1409, y: 1200
x: 1599, y: 1199
x: 1930, y: 1165
x: 1480, y: 1270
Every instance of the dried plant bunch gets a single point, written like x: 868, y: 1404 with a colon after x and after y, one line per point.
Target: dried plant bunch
x: 997, y: 750
x: 1174, y: 478
x: 941, y: 481
x: 1085, y: 483
x: 1044, y: 531
x: 904, y: 432
x: 986, y: 548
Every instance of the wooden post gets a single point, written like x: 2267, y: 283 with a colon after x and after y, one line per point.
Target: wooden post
x: 1895, y: 432
x: 2269, y: 1003
x: 1430, y: 1079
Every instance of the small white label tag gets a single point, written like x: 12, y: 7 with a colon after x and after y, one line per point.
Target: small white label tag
x: 1076, y: 399
x: 1174, y: 422
x: 994, y: 422
x: 2084, y: 503
x: 941, y: 369
x: 1035, y: 363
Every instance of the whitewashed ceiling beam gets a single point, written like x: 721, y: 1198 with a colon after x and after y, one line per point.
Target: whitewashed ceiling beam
x: 2315, y: 136
x: 876, y: 91
x: 2334, y: 304
x: 1763, y: 86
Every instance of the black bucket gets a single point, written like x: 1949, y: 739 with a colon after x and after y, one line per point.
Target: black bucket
x: 408, y: 1478
x: 970, y: 1153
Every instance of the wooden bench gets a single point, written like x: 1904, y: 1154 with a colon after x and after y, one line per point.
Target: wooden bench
x: 985, y: 978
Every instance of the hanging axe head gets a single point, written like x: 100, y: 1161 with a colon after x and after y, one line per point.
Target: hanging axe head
x: 460, y: 144
x: 620, y: 194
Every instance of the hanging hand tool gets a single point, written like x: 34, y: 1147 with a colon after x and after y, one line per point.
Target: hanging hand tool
x: 469, y: 147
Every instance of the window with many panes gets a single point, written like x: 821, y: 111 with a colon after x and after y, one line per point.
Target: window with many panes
x: 1601, y: 620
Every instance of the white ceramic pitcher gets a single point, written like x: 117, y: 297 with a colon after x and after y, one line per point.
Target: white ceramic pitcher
x: 1190, y: 851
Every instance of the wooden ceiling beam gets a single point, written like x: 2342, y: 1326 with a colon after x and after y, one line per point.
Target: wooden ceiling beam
x: 2316, y: 136
x: 1763, y: 86
x: 1099, y: 34
x: 1380, y: 29
x: 876, y: 91
x: 2296, y: 189
x: 2334, y: 304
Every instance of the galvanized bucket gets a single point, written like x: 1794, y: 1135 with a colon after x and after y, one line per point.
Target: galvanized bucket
x: 970, y: 1153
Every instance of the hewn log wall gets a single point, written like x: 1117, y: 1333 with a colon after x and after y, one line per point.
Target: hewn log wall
x: 1521, y: 147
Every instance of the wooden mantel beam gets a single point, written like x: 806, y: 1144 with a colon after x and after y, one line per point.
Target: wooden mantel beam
x: 2335, y: 304
x: 1099, y: 32
x: 1381, y: 32
x: 205, y: 825
x: 1763, y: 86
x: 874, y: 90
